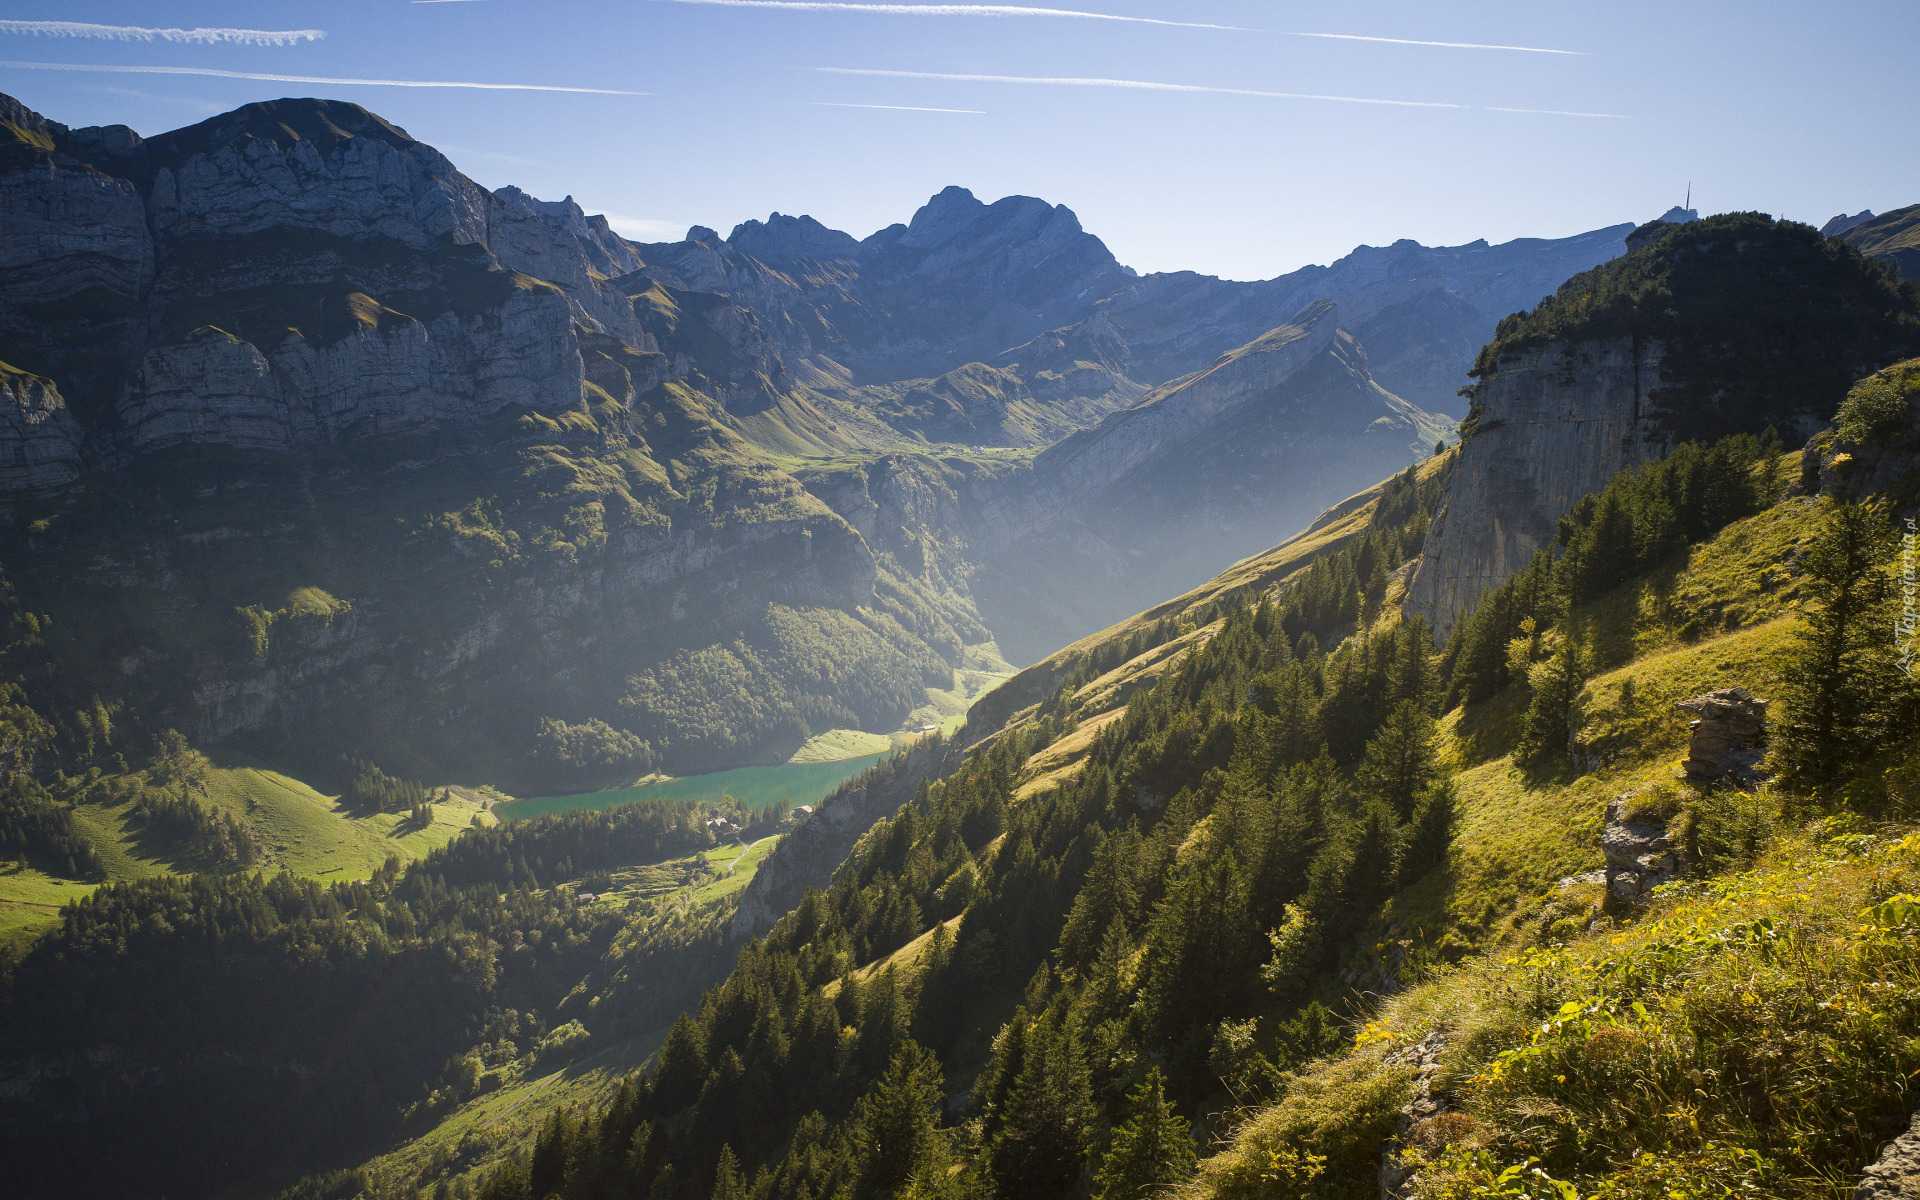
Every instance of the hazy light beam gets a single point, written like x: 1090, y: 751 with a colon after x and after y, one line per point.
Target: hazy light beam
x: 274, y: 78
x: 952, y: 10
x: 141, y: 33
x: 1135, y: 85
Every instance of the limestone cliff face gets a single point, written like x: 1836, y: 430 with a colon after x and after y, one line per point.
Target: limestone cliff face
x: 1558, y: 421
x: 39, y: 439
x: 392, y: 377
x: 291, y: 273
x: 233, y: 177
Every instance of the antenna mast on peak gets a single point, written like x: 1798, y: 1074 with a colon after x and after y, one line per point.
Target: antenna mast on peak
x: 1689, y: 204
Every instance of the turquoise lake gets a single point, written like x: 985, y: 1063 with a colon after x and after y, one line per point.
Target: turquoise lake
x: 756, y: 787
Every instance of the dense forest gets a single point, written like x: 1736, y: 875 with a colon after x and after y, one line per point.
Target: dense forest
x: 1159, y: 932
x: 269, y: 1020
x: 1068, y: 992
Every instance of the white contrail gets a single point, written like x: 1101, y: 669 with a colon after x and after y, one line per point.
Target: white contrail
x: 1015, y: 10
x: 972, y: 112
x: 952, y: 10
x: 1558, y: 112
x: 416, y: 83
x: 141, y: 33
x: 1355, y: 37
x: 1136, y: 84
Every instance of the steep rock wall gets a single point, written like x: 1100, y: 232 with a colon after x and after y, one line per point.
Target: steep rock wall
x: 1557, y: 422
x: 39, y: 440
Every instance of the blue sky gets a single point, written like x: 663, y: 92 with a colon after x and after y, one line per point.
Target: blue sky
x: 1278, y: 154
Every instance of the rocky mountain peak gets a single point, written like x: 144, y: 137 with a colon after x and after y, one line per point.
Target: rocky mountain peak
x: 1841, y: 223
x: 941, y: 219
x: 324, y: 124
x: 24, y: 119
x: 784, y: 239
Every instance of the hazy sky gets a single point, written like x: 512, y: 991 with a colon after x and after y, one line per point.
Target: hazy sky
x: 1263, y: 143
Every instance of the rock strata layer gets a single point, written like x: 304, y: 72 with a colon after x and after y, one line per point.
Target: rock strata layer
x: 39, y: 440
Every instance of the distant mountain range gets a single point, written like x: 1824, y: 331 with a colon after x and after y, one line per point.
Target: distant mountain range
x: 581, y: 507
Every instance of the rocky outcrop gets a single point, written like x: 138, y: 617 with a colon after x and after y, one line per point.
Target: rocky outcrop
x: 1640, y: 854
x: 960, y: 283
x: 808, y: 857
x: 321, y: 274
x: 1557, y: 422
x: 1834, y: 465
x: 1895, y: 1175
x: 1725, y: 736
x: 1418, y: 1118
x: 39, y: 440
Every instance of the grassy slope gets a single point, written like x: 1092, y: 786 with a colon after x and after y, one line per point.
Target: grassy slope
x: 311, y: 834
x: 1723, y: 617
x: 304, y: 832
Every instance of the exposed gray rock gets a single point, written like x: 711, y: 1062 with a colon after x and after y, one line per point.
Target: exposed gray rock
x: 400, y: 376
x: 1727, y: 730
x: 1640, y: 854
x: 1557, y: 423
x: 1396, y: 1175
x: 39, y: 439
x: 1896, y: 1174
x: 247, y: 172
x: 1842, y: 222
x: 65, y: 228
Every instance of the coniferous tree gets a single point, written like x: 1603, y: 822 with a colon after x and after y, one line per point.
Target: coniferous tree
x: 728, y: 1181
x: 1375, y: 840
x: 1429, y: 835
x: 1400, y: 760
x: 1841, y: 681
x: 897, y: 1122
x: 1046, y: 1124
x: 1152, y: 1150
x: 551, y: 1152
x: 1549, y: 721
